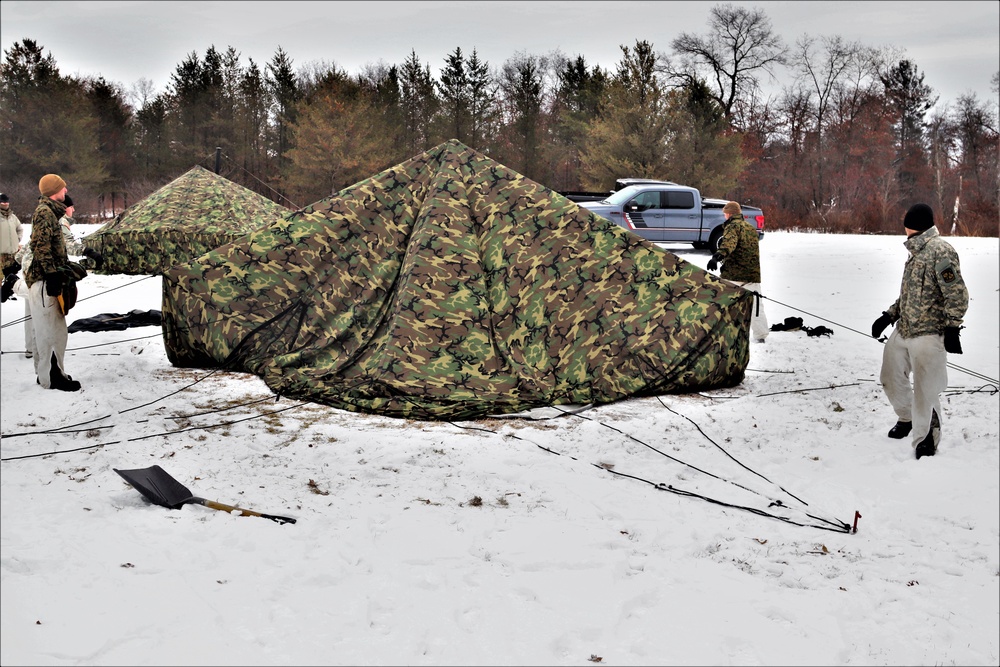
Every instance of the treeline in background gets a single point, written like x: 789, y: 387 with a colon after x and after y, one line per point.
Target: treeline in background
x: 847, y: 146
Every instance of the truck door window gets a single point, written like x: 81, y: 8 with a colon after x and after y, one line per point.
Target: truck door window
x: 646, y: 201
x: 678, y: 200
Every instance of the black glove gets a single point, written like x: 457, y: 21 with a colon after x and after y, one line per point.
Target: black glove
x: 7, y: 290
x: 713, y: 264
x: 951, y: 342
x: 12, y: 269
x: 54, y: 283
x: 879, y: 325
x: 94, y: 255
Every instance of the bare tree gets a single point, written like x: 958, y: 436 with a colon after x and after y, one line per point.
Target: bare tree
x: 739, y: 47
x: 976, y: 131
x: 824, y: 70
x: 523, y: 100
x: 141, y: 93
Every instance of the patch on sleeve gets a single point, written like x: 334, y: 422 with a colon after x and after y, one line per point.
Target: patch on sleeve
x: 947, y: 272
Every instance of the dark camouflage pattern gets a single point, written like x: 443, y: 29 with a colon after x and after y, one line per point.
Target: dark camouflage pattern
x: 74, y: 247
x: 47, y: 244
x: 739, y: 251
x: 933, y: 294
x: 450, y: 287
x: 189, y: 216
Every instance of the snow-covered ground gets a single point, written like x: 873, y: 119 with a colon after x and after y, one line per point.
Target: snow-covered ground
x: 513, y: 541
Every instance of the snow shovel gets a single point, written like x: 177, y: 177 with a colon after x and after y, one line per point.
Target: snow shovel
x: 160, y: 488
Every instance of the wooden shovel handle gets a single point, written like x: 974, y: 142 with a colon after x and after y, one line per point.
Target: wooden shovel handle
x: 243, y: 512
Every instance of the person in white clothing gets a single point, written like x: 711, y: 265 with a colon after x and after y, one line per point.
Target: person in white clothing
x: 11, y: 232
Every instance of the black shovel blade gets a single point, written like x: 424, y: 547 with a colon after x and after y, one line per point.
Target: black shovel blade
x: 158, y: 486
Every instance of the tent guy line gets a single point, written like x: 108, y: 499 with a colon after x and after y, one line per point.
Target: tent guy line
x: 835, y: 525
x: 967, y: 371
x: 839, y: 525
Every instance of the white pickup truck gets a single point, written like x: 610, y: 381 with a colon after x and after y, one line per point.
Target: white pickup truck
x: 664, y: 211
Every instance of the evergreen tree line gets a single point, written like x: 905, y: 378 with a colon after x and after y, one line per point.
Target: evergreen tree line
x: 846, y: 147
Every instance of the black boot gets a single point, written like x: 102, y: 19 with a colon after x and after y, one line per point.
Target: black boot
x: 59, y: 381
x: 900, y: 430
x: 926, y: 447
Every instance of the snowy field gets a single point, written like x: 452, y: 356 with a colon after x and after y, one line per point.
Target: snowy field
x: 513, y: 541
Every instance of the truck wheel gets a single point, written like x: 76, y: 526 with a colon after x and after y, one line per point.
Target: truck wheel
x: 714, y: 239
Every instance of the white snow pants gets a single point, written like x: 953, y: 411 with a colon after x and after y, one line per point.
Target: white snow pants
x: 758, y: 323
x: 49, y: 333
x: 926, y: 359
x: 21, y: 289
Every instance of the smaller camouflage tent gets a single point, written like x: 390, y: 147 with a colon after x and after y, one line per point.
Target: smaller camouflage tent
x: 189, y: 216
x: 451, y: 287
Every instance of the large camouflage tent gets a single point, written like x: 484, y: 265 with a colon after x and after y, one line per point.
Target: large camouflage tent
x: 451, y: 287
x: 194, y: 213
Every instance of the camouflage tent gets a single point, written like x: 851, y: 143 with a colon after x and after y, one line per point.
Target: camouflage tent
x: 450, y: 287
x: 189, y: 216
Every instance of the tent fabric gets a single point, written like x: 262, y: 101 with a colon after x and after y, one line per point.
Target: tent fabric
x: 451, y: 287
x: 196, y: 212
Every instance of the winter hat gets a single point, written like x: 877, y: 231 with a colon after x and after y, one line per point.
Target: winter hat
x: 67, y: 200
x: 919, y: 218
x: 50, y: 184
x: 4, y: 198
x: 732, y: 208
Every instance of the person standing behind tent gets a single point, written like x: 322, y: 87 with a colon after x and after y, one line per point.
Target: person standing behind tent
x: 45, y: 278
x: 11, y: 232
x: 739, y: 251
x: 91, y: 258
x: 932, y: 301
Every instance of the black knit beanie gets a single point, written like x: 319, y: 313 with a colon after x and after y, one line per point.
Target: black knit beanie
x: 919, y: 218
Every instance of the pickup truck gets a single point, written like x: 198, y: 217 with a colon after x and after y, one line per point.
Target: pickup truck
x: 664, y: 211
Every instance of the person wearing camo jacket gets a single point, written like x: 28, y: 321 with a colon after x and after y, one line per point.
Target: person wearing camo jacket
x: 45, y: 278
x: 928, y: 316
x: 91, y: 260
x: 739, y: 252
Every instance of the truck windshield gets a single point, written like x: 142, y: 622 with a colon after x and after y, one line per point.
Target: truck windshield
x: 622, y: 196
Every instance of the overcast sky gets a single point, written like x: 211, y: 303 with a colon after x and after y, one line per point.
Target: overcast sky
x: 955, y: 44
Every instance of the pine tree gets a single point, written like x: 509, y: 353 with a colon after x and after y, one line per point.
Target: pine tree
x: 49, y: 122
x: 629, y: 138
x: 909, y: 99
x: 251, y: 128
x: 482, y: 95
x: 419, y: 103
x: 576, y: 104
x: 114, y: 135
x: 285, y: 95
x: 381, y: 86
x: 337, y: 143
x: 522, y: 92
x: 454, y: 119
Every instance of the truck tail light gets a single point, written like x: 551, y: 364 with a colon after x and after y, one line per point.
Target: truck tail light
x: 760, y: 222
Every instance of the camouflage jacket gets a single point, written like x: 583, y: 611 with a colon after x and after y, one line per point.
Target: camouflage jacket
x: 74, y: 247
x: 48, y: 247
x: 11, y: 232
x: 933, y: 295
x: 739, y: 250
